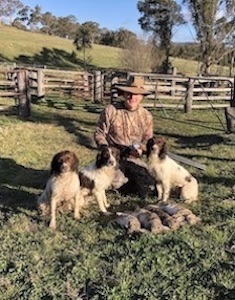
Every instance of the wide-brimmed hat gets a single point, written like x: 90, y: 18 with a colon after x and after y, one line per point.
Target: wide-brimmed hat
x: 134, y: 85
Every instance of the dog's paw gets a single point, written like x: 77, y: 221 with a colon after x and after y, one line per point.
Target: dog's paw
x: 107, y: 205
x: 77, y: 215
x: 190, y: 201
x: 52, y: 225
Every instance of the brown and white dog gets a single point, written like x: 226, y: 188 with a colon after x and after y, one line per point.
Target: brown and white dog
x: 168, y: 173
x: 63, y: 186
x: 97, y: 177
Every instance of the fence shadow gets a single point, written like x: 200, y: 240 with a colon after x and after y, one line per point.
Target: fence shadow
x: 4, y: 58
x: 76, y: 125
x: 200, y: 141
x: 198, y: 123
x: 16, y: 180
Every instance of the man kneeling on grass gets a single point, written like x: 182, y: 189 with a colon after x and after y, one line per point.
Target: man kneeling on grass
x: 126, y: 126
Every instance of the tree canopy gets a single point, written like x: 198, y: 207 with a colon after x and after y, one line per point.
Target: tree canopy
x: 214, y: 22
x: 159, y: 17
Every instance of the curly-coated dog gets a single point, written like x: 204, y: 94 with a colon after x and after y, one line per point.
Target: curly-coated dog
x: 168, y: 173
x: 63, y: 186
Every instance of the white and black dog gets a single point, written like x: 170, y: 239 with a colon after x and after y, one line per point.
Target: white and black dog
x: 168, y: 173
x: 97, y: 177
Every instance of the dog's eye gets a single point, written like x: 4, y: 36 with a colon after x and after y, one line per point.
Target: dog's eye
x: 106, y: 156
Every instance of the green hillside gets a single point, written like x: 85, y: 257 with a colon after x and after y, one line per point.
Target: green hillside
x: 26, y: 47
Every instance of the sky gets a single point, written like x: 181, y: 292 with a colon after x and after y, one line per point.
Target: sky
x: 112, y: 14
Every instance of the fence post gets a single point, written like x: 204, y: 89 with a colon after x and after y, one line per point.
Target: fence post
x: 232, y: 102
x: 85, y: 85
x: 230, y: 111
x: 40, y: 83
x: 92, y: 88
x: 97, y: 87
x: 24, y: 93
x: 174, y: 72
x: 114, y: 93
x: 189, y: 96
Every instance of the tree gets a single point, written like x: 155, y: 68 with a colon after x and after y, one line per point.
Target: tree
x: 49, y: 23
x: 123, y: 37
x: 214, y: 23
x: 160, y: 17
x: 22, y: 18
x: 82, y: 41
x: 35, y: 17
x: 67, y: 26
x: 108, y: 37
x: 9, y: 7
x: 118, y: 38
x: 93, y: 29
x: 140, y: 56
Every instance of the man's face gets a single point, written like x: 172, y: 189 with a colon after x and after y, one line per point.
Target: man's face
x: 132, y: 101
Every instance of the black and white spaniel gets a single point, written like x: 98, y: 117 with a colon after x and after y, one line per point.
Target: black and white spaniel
x: 168, y: 173
x: 97, y: 177
x: 63, y: 186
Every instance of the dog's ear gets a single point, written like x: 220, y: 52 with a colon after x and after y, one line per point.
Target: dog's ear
x: 125, y: 152
x: 128, y: 151
x: 74, y: 162
x: 55, y: 166
x: 163, y: 150
x: 149, y: 146
x: 100, y: 158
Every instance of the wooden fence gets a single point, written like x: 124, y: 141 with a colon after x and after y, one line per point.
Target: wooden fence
x: 172, y: 91
x: 168, y: 91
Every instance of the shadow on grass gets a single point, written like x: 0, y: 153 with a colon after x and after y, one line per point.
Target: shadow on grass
x: 213, y: 180
x: 83, y: 137
x: 56, y: 58
x: 16, y: 181
x: 200, y: 141
x: 82, y: 129
x: 198, y: 123
x: 224, y: 293
x: 197, y: 141
x: 78, y: 126
x: 4, y: 58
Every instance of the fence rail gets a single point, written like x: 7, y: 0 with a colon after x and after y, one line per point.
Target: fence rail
x: 168, y: 91
x: 188, y: 92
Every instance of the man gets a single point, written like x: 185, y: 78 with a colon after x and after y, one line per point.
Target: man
x: 126, y: 126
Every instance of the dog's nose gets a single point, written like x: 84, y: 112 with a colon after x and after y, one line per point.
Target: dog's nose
x: 64, y: 166
x: 112, y: 162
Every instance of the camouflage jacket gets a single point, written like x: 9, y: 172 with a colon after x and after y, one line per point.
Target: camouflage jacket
x: 119, y: 126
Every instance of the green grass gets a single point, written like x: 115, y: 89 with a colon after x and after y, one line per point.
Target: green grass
x: 91, y: 258
x: 41, y: 49
x: 192, y: 67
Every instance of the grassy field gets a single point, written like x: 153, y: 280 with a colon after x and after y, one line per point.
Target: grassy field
x: 22, y: 47
x: 91, y: 258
